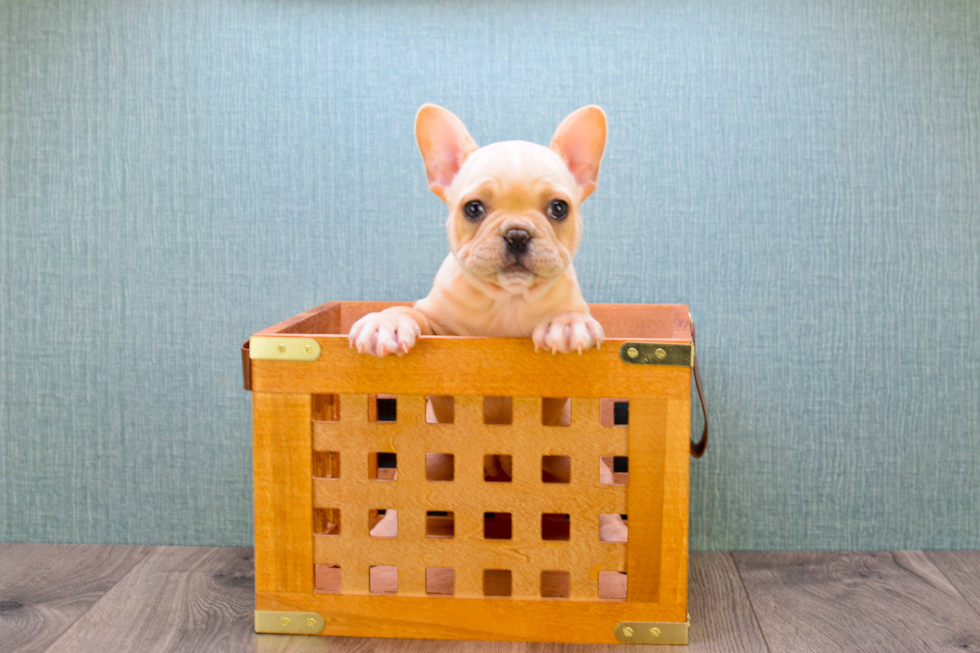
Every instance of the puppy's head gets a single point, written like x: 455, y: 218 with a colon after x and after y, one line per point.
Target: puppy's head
x: 513, y: 206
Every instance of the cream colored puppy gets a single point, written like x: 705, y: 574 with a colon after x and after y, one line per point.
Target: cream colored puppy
x: 514, y: 227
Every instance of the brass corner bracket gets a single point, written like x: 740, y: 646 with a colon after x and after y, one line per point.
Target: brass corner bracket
x: 289, y: 623
x: 656, y: 353
x: 649, y: 632
x: 271, y: 348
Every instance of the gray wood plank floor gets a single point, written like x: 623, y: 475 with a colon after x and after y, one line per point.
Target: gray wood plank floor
x: 45, y: 588
x: 962, y: 568
x: 102, y: 599
x: 881, y: 601
x: 177, y: 599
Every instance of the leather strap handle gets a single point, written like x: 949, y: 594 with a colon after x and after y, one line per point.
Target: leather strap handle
x: 697, y: 448
x: 246, y: 366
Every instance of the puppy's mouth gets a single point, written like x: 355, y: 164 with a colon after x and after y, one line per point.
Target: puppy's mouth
x: 515, y: 267
x: 514, y: 274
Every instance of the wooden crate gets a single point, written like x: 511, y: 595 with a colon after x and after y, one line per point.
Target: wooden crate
x: 319, y: 481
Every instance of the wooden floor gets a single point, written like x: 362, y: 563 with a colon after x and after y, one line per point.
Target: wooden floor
x: 105, y: 599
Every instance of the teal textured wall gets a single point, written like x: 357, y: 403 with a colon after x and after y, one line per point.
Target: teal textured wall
x: 806, y: 175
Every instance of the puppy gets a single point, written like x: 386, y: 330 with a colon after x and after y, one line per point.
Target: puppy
x: 514, y: 227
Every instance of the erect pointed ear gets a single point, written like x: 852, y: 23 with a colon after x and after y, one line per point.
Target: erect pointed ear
x: 444, y: 144
x: 580, y: 140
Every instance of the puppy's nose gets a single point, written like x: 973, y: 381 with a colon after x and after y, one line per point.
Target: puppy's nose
x: 517, y: 240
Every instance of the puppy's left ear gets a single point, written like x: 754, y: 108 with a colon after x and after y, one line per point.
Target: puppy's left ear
x: 580, y: 140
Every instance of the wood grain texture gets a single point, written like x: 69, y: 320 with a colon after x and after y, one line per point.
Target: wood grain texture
x: 467, y: 619
x: 325, y: 318
x: 468, y: 496
x: 45, y: 588
x: 287, y: 644
x: 283, y: 471
x: 648, y: 443
x: 179, y: 599
x: 497, y: 367
x: 722, y: 620
x: 176, y: 599
x: 962, y: 568
x: 875, y: 601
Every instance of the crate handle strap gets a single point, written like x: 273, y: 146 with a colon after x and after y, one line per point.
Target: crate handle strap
x: 246, y: 366
x: 697, y: 448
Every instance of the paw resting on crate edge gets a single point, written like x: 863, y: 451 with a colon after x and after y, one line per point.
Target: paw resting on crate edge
x: 396, y: 331
x: 392, y: 331
x: 567, y: 332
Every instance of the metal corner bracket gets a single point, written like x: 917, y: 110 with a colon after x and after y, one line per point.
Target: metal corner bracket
x: 649, y: 632
x: 656, y: 353
x: 271, y: 348
x: 289, y: 623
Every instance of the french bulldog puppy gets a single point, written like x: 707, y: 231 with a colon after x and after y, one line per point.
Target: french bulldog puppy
x: 514, y: 227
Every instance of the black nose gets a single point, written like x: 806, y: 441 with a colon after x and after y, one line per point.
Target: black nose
x: 517, y: 240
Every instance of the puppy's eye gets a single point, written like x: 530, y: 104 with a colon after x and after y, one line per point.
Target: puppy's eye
x: 558, y: 209
x: 474, y: 210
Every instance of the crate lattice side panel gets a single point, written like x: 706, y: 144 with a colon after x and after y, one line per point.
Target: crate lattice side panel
x: 526, y: 498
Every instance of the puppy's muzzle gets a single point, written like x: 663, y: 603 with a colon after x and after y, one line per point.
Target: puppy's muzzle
x: 517, y: 240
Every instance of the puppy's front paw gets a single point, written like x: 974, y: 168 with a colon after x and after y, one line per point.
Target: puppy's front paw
x: 567, y: 332
x: 380, y: 334
x: 612, y: 528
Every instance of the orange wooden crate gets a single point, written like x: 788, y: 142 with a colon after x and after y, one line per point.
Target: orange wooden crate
x: 318, y: 479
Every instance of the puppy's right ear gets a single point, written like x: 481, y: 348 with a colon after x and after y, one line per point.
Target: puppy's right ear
x: 444, y: 144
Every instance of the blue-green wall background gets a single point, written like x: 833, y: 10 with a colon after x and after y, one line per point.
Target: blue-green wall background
x: 806, y: 175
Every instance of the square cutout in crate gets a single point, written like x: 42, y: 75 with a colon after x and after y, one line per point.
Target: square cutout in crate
x: 440, y: 409
x: 326, y: 521
x: 497, y: 526
x: 556, y: 411
x: 440, y: 581
x: 326, y: 464
x: 440, y: 466
x: 496, y: 582
x: 382, y: 466
x: 556, y: 469
x: 382, y: 409
x: 497, y: 468
x: 384, y: 580
x: 327, y: 579
x: 556, y: 584
x: 440, y: 524
x: 614, y: 470
x: 614, y: 412
x: 326, y: 408
x: 556, y: 526
x: 612, y: 585
x: 613, y: 528
x: 498, y: 410
x: 383, y: 523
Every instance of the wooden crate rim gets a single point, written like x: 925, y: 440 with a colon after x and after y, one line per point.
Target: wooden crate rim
x: 337, y: 316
